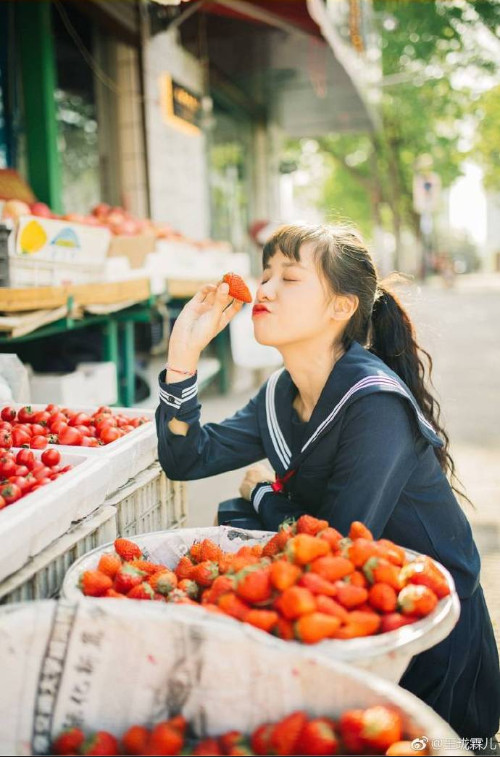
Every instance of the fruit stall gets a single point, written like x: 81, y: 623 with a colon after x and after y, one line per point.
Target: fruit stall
x: 229, y: 642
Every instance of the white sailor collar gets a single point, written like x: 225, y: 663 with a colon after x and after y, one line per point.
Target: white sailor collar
x: 357, y: 373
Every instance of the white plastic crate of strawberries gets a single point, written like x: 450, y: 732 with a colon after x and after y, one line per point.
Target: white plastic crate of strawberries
x: 125, y: 437
x: 41, y: 493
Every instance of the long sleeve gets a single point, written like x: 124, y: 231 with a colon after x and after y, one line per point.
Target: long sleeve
x: 209, y: 449
x: 375, y: 458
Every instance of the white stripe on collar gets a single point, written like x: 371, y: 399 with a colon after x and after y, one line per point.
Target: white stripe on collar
x: 363, y: 384
x: 281, y: 447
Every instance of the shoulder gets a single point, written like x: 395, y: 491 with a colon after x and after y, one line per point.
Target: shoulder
x: 380, y: 419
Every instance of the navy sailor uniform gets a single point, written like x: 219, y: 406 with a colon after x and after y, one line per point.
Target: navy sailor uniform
x: 367, y: 453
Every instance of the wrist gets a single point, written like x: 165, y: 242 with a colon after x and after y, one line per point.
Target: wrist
x: 180, y: 366
x: 259, y: 490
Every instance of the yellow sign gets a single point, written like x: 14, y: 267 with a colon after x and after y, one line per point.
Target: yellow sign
x: 180, y: 107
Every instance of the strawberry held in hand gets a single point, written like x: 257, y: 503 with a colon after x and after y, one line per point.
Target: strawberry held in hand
x: 237, y: 287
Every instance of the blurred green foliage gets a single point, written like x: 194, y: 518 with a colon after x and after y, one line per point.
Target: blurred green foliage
x: 436, y: 58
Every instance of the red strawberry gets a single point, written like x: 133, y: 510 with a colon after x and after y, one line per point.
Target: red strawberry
x: 394, y: 620
x: 93, y: 583
x: 237, y: 287
x: 68, y: 741
x: 317, y: 584
x: 349, y: 596
x: 209, y: 747
x: 380, y: 727
x: 191, y: 588
x: 286, y: 733
x: 141, y: 591
x: 233, y: 606
x: 100, y: 743
x: 383, y: 597
x: 417, y: 600
x: 315, y: 627
x: 112, y: 594
x: 230, y: 740
x: 359, y: 531
x: 318, y: 737
x: 164, y: 581
x: 179, y: 722
x: 127, y: 550
x: 184, y: 568
x: 204, y: 573
x: 135, y: 740
x: 307, y: 524
x: 210, y: 551
x: 332, y: 537
x: 263, y: 619
x: 261, y: 739
x: 147, y: 567
x: 254, y: 585
x: 109, y: 564
x: 303, y: 549
x: 284, y: 574
x: 276, y: 544
x: 127, y: 578
x: 295, y: 601
x: 165, y: 739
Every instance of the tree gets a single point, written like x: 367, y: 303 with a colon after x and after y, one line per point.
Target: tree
x: 431, y: 53
x: 486, y: 144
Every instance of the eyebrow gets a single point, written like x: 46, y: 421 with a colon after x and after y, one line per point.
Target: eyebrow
x: 292, y: 264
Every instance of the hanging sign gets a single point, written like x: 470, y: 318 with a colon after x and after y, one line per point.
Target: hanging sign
x: 180, y: 107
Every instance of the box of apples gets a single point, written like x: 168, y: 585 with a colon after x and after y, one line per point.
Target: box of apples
x: 42, y: 492
x: 125, y: 437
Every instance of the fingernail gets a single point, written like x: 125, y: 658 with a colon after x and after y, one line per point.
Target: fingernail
x: 224, y: 288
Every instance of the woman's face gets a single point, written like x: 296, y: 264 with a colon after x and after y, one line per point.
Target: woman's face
x: 291, y: 303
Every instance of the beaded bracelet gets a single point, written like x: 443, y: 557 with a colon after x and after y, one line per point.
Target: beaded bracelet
x: 176, y: 370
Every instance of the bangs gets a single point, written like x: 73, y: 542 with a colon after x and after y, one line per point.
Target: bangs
x: 289, y: 239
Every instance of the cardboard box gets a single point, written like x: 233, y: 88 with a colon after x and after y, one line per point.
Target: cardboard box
x: 49, y: 252
x: 135, y: 248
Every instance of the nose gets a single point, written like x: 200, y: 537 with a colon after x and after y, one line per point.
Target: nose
x: 265, y: 291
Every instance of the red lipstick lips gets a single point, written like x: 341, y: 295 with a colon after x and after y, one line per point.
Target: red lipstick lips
x: 259, y: 309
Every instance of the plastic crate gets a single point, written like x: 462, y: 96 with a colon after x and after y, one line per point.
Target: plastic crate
x: 35, y: 521
x: 42, y: 576
x: 148, y: 502
x: 124, y: 457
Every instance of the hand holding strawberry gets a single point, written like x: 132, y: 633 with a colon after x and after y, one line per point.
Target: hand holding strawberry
x: 201, y: 319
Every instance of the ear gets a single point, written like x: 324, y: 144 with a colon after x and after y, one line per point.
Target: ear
x: 344, y: 306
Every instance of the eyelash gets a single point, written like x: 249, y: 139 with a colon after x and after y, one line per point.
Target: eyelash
x: 288, y: 280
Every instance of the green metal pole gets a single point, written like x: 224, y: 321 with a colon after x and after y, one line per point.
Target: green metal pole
x: 110, y: 351
x: 38, y: 71
x: 127, y: 379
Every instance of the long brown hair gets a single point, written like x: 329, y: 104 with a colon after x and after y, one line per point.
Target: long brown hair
x: 380, y: 322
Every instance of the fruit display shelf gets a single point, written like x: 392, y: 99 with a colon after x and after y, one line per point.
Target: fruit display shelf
x: 31, y: 523
x: 387, y: 654
x: 108, y: 665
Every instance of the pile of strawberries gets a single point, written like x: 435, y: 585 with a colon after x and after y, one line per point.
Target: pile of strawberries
x: 306, y: 583
x: 21, y: 473
x: 376, y: 730
x: 36, y: 429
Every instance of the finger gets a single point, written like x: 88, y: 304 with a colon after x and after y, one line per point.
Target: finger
x: 230, y: 311
x: 202, y: 293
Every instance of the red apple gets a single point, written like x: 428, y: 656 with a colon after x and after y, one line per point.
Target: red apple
x: 41, y: 210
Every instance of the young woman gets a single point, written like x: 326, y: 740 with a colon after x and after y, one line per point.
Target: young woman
x: 351, y: 431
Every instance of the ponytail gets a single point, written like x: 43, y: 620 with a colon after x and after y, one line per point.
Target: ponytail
x: 393, y: 340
